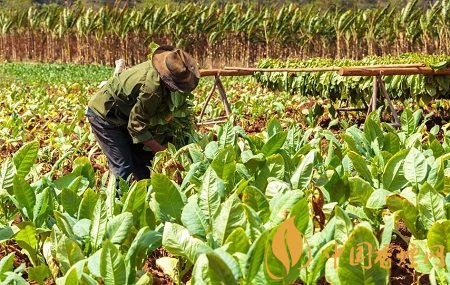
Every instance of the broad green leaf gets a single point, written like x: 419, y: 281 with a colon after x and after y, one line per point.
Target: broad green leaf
x: 274, y: 167
x: 436, y: 176
x: 254, y: 224
x: 274, y: 127
x: 366, y: 271
x: 224, y: 164
x: 87, y: 205
x: 405, y: 210
x: 237, y: 241
x: 393, y: 174
x: 389, y: 224
x: 98, y: 224
x: 111, y: 192
x: 343, y: 225
x: 5, y: 234
x: 119, y: 228
x: 26, y: 239
x: 438, y: 173
x: 211, y: 149
x: 194, y: 219
x: 252, y: 161
x: 24, y: 195
x: 70, y: 278
x: 230, y: 217
x: 13, y: 278
x: 82, y: 167
x: 112, y: 265
x: 439, y: 236
x: 43, y: 207
x: 211, y: 269
x: 334, y: 187
x: 82, y: 228
x: 377, y: 199
x: 94, y: 263
x: 78, y: 184
x: 360, y: 166
x: 391, y: 143
x: 421, y: 255
x: 178, y: 241
x: 229, y: 260
x: 136, y: 198
x: 64, y: 223
x: 282, y: 204
x: 166, y: 190
x: 316, y: 268
x: 372, y: 129
x: 415, y: 166
x: 300, y: 213
x: 274, y: 143
x: 226, y: 135
x: 6, y: 263
x: 303, y: 174
x: 407, y: 122
x: 360, y: 190
x: 25, y: 157
x: 144, y: 241
x: 70, y: 202
x: 275, y: 187
x: 254, y: 198
x: 7, y: 173
x: 255, y: 257
x: 68, y: 252
x: 146, y: 218
x: 358, y: 144
x: 211, y: 190
x: 431, y: 205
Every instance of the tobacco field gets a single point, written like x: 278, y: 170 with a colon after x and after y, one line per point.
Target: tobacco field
x: 225, y: 33
x: 213, y: 208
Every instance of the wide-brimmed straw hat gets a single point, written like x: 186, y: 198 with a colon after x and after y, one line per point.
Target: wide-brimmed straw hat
x: 176, y: 68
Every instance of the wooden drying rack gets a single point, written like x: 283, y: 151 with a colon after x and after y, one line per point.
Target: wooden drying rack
x: 376, y: 71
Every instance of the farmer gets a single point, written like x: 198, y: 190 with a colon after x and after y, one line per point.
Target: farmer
x: 120, y: 112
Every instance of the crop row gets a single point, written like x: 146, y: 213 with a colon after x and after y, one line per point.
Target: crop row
x: 218, y: 205
x: 231, y: 33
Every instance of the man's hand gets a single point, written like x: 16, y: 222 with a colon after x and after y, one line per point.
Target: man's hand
x: 154, y: 145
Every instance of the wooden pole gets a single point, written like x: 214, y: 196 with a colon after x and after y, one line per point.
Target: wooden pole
x: 211, y: 93
x: 222, y: 72
x: 373, y: 100
x: 223, y: 96
x: 362, y: 71
x: 386, y: 95
x: 213, y: 121
x: 369, y: 70
x: 315, y: 69
x: 328, y: 68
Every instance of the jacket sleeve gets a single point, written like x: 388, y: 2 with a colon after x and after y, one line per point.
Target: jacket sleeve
x: 145, y: 108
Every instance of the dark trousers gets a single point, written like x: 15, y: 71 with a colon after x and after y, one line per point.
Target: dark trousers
x: 124, y: 157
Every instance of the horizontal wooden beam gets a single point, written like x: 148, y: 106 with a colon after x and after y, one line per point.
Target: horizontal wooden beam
x: 315, y: 69
x: 366, y: 71
x: 223, y: 72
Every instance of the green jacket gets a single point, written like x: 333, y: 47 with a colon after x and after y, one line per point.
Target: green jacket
x: 136, y: 99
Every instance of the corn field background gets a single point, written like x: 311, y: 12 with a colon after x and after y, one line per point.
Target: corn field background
x: 221, y: 34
